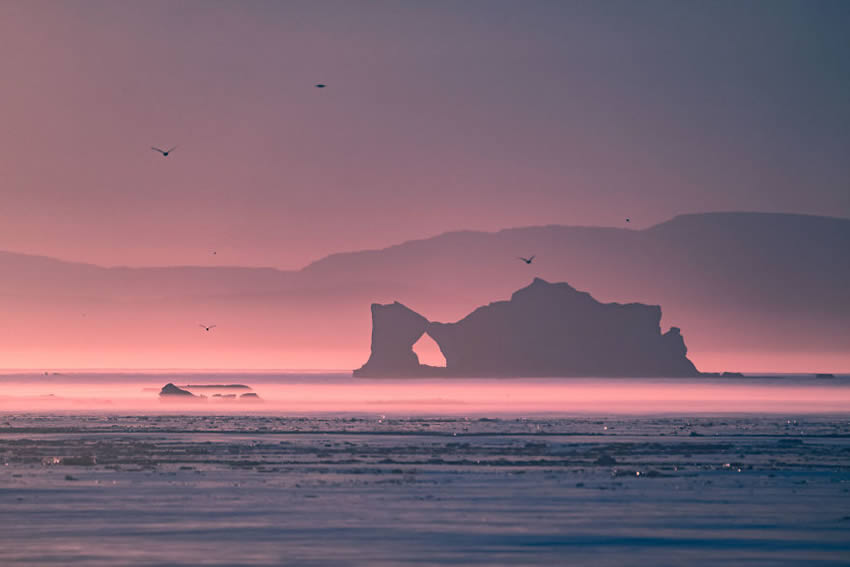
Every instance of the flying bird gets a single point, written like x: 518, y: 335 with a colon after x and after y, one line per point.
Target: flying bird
x: 628, y: 220
x: 206, y: 327
x: 527, y: 260
x: 164, y: 152
x: 320, y: 86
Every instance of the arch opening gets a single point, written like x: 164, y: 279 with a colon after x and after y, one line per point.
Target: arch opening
x: 428, y: 351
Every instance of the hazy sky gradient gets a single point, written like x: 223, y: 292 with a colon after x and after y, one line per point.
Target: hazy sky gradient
x: 437, y: 116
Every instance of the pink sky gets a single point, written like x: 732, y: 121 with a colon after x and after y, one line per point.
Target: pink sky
x: 437, y: 116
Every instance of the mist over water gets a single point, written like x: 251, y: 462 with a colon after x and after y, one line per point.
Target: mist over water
x: 306, y: 393
x: 335, y: 470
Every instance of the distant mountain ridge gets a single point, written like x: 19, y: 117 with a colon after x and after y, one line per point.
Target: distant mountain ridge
x: 734, y: 282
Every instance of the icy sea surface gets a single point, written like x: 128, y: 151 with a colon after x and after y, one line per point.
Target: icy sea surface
x: 257, y: 485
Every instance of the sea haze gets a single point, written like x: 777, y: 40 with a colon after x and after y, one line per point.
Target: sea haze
x: 324, y: 392
x: 330, y: 469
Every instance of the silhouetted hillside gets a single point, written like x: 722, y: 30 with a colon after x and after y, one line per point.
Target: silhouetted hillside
x: 748, y: 286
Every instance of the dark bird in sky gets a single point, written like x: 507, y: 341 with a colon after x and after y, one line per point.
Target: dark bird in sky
x: 320, y: 86
x: 206, y: 327
x: 164, y: 152
x: 527, y: 260
x: 628, y: 220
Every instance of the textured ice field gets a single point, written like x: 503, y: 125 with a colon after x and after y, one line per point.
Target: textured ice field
x: 371, y: 490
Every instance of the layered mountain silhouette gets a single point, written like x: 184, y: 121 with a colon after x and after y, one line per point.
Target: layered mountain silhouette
x: 544, y: 330
x: 748, y: 284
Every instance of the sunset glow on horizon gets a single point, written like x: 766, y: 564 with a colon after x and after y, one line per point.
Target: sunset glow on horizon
x: 294, y: 394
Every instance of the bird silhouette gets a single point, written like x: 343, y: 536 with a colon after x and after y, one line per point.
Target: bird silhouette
x: 206, y: 327
x: 628, y: 220
x: 527, y: 260
x: 320, y: 86
x: 164, y: 152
